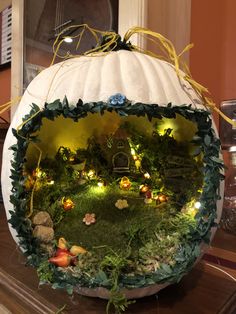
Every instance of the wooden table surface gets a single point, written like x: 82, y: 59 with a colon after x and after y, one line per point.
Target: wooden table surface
x: 204, y: 290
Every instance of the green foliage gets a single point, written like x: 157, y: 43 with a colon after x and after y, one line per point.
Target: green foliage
x: 114, y: 264
x: 162, y: 154
x: 118, y: 301
x: 45, y: 272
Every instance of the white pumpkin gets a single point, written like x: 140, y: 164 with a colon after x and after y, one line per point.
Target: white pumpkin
x: 139, y: 77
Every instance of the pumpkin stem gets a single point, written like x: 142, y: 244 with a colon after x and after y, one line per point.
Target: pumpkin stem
x: 118, y: 44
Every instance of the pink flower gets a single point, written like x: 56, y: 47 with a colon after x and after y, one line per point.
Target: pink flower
x: 89, y: 219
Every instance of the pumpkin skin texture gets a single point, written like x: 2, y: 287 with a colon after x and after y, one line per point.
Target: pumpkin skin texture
x: 139, y: 77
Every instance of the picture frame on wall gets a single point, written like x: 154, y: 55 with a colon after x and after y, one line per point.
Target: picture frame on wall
x: 5, y: 37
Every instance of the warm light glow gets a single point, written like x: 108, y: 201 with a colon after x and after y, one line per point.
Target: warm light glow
x: 91, y: 174
x: 137, y: 164
x: 67, y: 203
x: 132, y: 152
x: 147, y: 175
x: 125, y: 183
x: 167, y: 124
x: 191, y: 211
x: 135, y: 157
x: 51, y: 182
x: 143, y: 188
x: 197, y: 205
x: 100, y: 184
x: 162, y: 198
x: 97, y: 190
x: 68, y: 40
x: 38, y: 173
x: 191, y: 208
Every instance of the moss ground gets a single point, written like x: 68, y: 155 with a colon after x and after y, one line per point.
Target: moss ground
x: 114, y: 227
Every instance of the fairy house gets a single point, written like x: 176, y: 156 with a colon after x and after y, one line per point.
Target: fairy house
x: 117, y: 151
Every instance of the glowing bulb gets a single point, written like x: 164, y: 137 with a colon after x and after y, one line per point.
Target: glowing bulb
x: 132, y: 152
x: 161, y: 198
x: 143, y: 189
x: 67, y: 204
x: 91, y: 174
x: 38, y: 173
x: 68, y: 40
x: 147, y: 175
x: 100, y: 184
x: 137, y: 164
x: 51, y: 182
x: 197, y: 205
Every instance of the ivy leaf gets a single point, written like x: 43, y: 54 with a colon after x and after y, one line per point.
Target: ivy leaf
x: 167, y: 269
x: 217, y: 160
x: 207, y: 140
x: 14, y: 147
x: 122, y: 113
x: 79, y: 103
x: 49, y: 114
x: 69, y: 289
x: 65, y: 103
x: 35, y: 108
x: 96, y: 109
x: 56, y: 105
x: 14, y: 132
x: 102, y: 278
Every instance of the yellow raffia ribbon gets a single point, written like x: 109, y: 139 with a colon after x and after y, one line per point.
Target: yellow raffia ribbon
x: 6, y: 106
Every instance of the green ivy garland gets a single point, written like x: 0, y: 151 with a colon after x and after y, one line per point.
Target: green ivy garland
x: 206, y: 140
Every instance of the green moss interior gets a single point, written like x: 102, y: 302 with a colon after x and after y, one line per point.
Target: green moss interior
x: 115, y: 229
